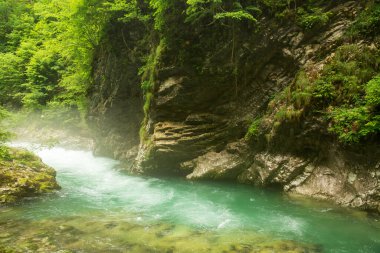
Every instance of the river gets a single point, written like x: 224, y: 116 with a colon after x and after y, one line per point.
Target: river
x: 102, y: 209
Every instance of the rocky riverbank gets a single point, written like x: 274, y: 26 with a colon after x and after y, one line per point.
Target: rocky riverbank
x: 23, y: 174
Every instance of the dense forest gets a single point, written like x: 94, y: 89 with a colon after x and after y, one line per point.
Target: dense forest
x: 47, y: 51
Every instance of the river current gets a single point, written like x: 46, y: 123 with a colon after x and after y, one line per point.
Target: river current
x: 102, y: 209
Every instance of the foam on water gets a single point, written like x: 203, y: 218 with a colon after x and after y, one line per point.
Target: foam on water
x: 94, y: 184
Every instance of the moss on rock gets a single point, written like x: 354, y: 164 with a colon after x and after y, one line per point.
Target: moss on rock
x: 23, y: 174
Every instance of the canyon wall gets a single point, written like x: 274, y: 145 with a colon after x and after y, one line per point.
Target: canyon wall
x: 208, y: 84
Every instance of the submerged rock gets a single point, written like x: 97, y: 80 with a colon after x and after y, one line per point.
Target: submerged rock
x: 132, y: 237
x: 23, y: 174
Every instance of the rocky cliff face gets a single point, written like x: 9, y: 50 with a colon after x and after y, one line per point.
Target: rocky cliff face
x: 115, y: 111
x: 197, y: 120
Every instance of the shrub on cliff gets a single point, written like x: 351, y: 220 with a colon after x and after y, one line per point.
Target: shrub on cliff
x: 368, y: 23
x: 346, y: 94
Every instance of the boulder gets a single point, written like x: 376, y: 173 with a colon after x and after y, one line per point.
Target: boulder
x: 23, y: 174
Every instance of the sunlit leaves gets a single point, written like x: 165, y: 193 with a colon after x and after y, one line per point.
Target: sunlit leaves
x: 373, y: 92
x: 219, y: 10
x: 130, y: 9
x: 50, y: 45
x: 235, y: 15
x: 11, y: 78
x: 160, y: 8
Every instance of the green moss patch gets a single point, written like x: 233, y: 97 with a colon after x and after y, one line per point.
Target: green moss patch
x: 23, y: 174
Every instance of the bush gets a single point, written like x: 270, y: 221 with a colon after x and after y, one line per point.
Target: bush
x: 348, y: 83
x: 324, y: 91
x: 352, y: 124
x: 372, y: 90
x: 312, y: 17
x: 367, y: 24
x: 254, y: 129
x: 347, y: 92
x: 342, y: 80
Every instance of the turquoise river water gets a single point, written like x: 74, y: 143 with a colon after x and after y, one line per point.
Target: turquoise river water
x: 101, y: 209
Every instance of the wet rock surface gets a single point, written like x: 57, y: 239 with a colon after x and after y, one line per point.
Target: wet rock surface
x: 176, y: 142
x: 351, y: 185
x: 227, y: 164
x: 116, y: 101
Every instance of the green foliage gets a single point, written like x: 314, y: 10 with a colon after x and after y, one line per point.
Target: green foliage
x: 47, y: 49
x: 372, y: 90
x: 346, y: 92
x: 16, y: 21
x: 254, y: 129
x: 146, y: 86
x: 4, y: 135
x: 131, y: 10
x: 235, y: 15
x: 324, y: 91
x: 350, y: 85
x: 148, y: 100
x: 290, y: 104
x: 220, y: 10
x: 368, y: 23
x: 43, y: 72
x: 312, y: 17
x: 11, y: 79
x: 4, y: 153
x: 200, y: 9
x: 343, y: 79
x: 302, y: 91
x: 352, y: 124
x: 161, y: 8
x: 276, y: 6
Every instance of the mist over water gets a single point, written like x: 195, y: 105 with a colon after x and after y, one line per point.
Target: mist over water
x: 94, y: 186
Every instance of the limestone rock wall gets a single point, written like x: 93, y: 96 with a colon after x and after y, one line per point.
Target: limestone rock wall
x: 197, y: 122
